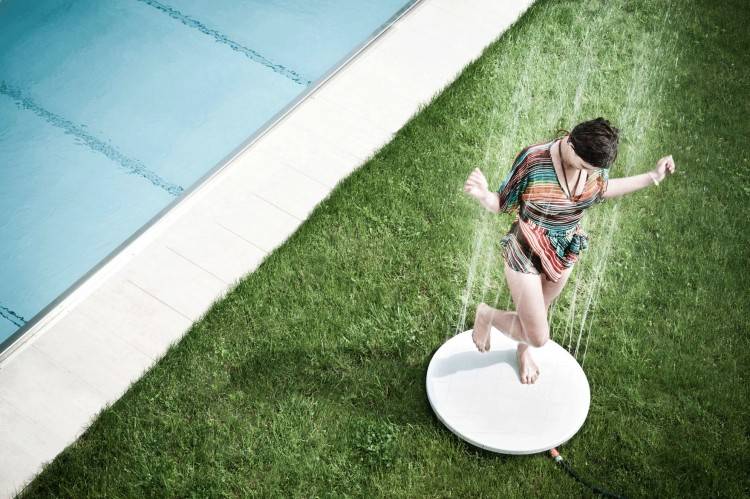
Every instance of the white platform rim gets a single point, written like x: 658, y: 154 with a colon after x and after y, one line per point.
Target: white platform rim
x: 476, y: 443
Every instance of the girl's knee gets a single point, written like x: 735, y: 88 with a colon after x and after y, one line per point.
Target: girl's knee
x: 538, y: 341
x: 537, y: 335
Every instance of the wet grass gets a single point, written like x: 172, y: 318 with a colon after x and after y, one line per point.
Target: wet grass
x: 308, y: 379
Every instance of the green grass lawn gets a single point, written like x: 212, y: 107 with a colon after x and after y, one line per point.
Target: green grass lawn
x: 308, y: 378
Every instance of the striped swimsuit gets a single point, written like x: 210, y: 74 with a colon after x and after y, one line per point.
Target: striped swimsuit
x: 546, y: 236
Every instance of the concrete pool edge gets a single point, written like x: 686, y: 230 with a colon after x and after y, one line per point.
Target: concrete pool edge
x: 55, y: 384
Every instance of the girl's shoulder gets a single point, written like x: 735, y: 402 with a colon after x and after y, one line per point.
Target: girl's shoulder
x: 540, y: 146
x: 531, y: 158
x: 537, y: 157
x: 601, y: 175
x: 535, y: 148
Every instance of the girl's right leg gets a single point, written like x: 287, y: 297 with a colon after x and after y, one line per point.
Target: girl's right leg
x: 506, y: 321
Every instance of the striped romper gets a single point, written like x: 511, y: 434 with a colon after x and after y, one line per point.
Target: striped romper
x: 546, y: 236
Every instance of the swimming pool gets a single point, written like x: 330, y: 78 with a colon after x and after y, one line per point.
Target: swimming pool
x: 110, y: 112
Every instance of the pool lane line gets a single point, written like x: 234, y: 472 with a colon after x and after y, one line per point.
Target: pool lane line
x: 130, y: 165
x: 221, y: 38
x: 11, y: 316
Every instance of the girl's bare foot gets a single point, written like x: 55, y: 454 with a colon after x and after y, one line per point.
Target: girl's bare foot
x: 527, y: 368
x: 481, y: 333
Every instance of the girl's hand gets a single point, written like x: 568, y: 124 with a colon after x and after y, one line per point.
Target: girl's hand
x: 663, y: 167
x: 476, y: 184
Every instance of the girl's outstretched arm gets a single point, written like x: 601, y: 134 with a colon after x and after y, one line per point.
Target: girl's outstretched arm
x: 626, y: 185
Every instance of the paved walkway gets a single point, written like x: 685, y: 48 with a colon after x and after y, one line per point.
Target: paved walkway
x: 105, y: 335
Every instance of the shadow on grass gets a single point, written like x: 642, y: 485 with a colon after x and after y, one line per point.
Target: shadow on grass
x: 376, y: 384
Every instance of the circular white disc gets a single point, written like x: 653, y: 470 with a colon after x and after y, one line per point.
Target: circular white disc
x: 479, y: 395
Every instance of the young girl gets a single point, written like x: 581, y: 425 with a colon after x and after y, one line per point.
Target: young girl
x: 549, y: 186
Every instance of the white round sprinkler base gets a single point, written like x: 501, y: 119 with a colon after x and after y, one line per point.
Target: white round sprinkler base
x: 479, y: 395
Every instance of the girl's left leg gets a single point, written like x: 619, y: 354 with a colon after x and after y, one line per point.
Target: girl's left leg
x: 551, y: 290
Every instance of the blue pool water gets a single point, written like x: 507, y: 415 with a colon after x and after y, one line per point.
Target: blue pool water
x: 110, y: 111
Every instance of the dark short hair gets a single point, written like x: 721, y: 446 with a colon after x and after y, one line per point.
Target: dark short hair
x: 595, y: 142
